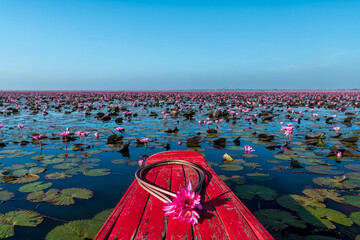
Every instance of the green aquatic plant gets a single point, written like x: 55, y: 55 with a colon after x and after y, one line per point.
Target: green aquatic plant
x: 259, y: 177
x: 35, y: 186
x: 249, y: 191
x: 355, y: 216
x: 353, y: 200
x: 297, y: 202
x: 278, y: 219
x: 323, y: 194
x: 97, y: 172
x: 79, y: 229
x: 17, y: 218
x: 339, y: 183
x: 60, y: 197
x: 6, y: 195
x: 231, y: 167
x: 323, y: 217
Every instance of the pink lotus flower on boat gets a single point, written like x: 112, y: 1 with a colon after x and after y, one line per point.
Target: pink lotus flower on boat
x: 249, y: 149
x: 183, y: 206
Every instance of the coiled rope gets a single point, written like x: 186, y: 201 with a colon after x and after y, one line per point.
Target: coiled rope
x: 161, y: 193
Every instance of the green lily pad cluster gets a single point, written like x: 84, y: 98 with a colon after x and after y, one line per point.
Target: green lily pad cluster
x: 57, y: 197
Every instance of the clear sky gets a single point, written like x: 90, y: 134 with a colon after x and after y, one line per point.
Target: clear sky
x: 168, y: 45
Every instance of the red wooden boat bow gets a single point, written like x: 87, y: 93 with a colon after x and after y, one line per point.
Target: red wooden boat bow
x: 139, y: 215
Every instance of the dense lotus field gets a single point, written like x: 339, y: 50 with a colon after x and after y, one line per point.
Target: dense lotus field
x: 66, y: 158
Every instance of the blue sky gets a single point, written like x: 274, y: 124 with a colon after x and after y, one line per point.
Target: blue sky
x: 168, y: 45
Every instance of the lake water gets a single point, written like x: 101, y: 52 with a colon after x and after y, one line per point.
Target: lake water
x: 299, y: 180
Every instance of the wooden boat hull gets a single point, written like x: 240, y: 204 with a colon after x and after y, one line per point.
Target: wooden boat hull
x: 139, y: 215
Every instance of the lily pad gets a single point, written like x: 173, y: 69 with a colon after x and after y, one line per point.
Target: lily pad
x: 324, y: 169
x: 297, y: 202
x: 259, y: 177
x: 323, y: 194
x: 35, y: 186
x: 6, y: 195
x: 336, y: 182
x: 355, y: 216
x: 352, y: 200
x: 26, y: 179
x: 18, y: 218
x: 37, y: 170
x: 231, y: 167
x: 323, y: 217
x: 97, y: 172
x: 57, y: 175
x: 278, y: 220
x: 233, y: 179
x: 119, y: 161
x: 75, y: 230
x: 354, y: 167
x: 249, y: 191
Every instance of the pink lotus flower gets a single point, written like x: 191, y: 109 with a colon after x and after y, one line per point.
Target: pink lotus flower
x: 183, y: 206
x: 336, y: 129
x: 85, y: 134
x: 339, y: 154
x: 96, y: 134
x: 144, y: 140
x: 38, y: 137
x: 64, y: 134
x: 248, y: 149
x: 21, y: 126
x: 119, y: 129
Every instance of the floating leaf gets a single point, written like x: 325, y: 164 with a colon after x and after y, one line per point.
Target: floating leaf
x: 324, y: 169
x: 25, y: 179
x: 6, y: 195
x: 75, y: 230
x: 17, y: 218
x: 259, y: 177
x: 22, y: 218
x: 81, y: 193
x: 297, y: 202
x: 35, y: 186
x: 352, y: 200
x: 103, y: 215
x: 65, y: 165
x: 336, y: 183
x: 19, y: 172
x: 249, y: 191
x: 233, y: 179
x: 278, y: 220
x: 354, y: 167
x: 57, y: 175
x: 323, y: 194
x: 120, y: 161
x: 231, y: 167
x: 37, y: 170
x: 323, y: 217
x: 355, y: 216
x: 97, y: 172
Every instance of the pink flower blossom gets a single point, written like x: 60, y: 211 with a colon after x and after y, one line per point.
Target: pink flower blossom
x: 144, y: 140
x: 64, y: 134
x: 249, y: 149
x: 183, y: 206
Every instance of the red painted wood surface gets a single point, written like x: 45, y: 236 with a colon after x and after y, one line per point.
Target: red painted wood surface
x: 139, y: 215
